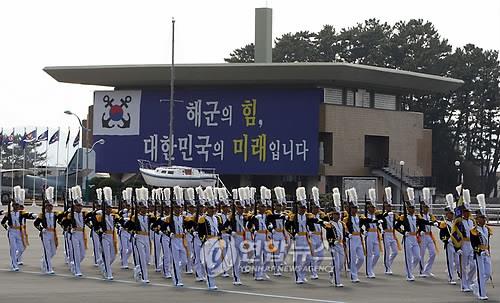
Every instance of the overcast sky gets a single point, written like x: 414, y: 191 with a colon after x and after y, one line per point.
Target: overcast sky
x: 35, y: 34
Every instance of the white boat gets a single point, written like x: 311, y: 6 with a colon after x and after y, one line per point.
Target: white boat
x: 170, y: 176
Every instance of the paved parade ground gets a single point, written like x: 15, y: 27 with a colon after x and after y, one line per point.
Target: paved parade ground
x: 31, y: 286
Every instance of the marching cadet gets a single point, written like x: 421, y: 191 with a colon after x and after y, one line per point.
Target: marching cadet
x: 189, y: 218
x: 89, y: 221
x: 139, y: 227
x: 105, y: 221
x: 410, y: 225
x: 372, y: 236
x: 247, y: 247
x: 163, y: 225
x: 14, y: 221
x: 260, y: 225
x: 208, y: 229
x: 46, y: 224
x: 300, y: 224
x: 389, y: 239
x: 200, y: 272
x: 279, y: 234
x: 316, y: 234
x: 225, y: 230
x: 354, y: 223
x: 427, y: 240
x: 74, y: 224
x: 154, y: 236
x: 125, y: 237
x: 178, y: 242
x: 480, y: 241
x: 445, y: 228
x: 336, y: 241
x: 237, y: 229
x: 460, y: 236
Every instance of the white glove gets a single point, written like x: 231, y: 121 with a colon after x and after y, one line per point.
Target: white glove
x: 270, y: 226
x: 422, y: 233
x: 380, y: 221
x: 195, y: 233
x: 484, y: 253
x: 349, y: 236
x: 44, y: 230
x: 436, y: 224
x: 390, y: 213
x: 459, y: 252
x: 336, y: 242
x: 406, y: 233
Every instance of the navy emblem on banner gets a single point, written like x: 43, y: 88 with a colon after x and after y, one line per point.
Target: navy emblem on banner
x: 117, y: 112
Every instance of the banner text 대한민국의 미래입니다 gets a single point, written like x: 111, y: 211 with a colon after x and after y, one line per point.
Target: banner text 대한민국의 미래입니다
x: 234, y: 130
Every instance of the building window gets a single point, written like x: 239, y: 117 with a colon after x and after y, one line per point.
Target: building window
x: 326, y: 148
x: 333, y: 96
x: 376, y: 151
x: 384, y: 101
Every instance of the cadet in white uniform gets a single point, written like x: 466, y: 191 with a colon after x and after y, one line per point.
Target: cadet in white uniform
x: 14, y: 221
x: 480, y: 240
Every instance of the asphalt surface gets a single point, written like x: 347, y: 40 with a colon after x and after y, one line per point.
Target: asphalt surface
x: 29, y: 285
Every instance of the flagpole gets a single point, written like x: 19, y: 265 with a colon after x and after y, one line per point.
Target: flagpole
x: 46, y: 160
x: 57, y: 159
x: 77, y: 158
x: 34, y: 173
x: 12, y: 173
x: 67, y: 167
x: 24, y: 153
x: 1, y: 165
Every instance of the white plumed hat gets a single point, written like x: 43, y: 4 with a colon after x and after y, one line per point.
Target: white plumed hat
x: 372, y: 195
x: 108, y: 195
x: 315, y: 196
x: 388, y: 195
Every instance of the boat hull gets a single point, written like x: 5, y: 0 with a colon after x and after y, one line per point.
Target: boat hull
x: 153, y: 179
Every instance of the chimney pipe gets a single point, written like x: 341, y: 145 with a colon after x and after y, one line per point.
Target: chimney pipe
x: 263, y: 35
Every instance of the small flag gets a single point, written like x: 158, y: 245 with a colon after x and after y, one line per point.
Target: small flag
x: 76, y: 142
x: 54, y: 138
x: 10, y: 138
x: 44, y: 136
x: 67, y: 139
x: 30, y: 137
x: 23, y: 142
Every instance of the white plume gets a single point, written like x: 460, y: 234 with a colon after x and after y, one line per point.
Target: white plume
x: 466, y: 194
x: 336, y: 190
x: 190, y: 194
x: 263, y: 192
x: 372, y: 194
x: 336, y: 200
x: 315, y: 194
x: 99, y: 194
x: 388, y: 195
x: 166, y: 194
x: 178, y: 193
x: 481, y: 199
x: 426, y: 192
x: 411, y: 194
x: 450, y: 200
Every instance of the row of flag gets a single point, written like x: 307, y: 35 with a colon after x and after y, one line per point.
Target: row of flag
x: 32, y: 137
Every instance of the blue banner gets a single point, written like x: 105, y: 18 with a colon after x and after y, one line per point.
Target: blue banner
x: 269, y: 131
